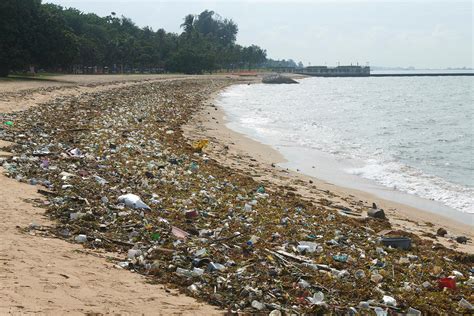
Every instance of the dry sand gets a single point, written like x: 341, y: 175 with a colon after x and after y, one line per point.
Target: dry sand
x: 22, y: 94
x: 240, y: 152
x: 56, y: 81
x: 50, y: 276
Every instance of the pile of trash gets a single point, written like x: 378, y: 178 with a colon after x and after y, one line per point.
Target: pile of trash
x: 118, y: 174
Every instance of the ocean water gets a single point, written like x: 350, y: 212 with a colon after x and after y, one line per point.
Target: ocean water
x: 406, y: 134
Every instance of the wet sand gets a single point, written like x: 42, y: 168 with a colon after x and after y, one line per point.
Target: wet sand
x: 236, y: 150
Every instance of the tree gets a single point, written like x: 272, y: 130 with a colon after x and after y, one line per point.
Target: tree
x: 33, y: 34
x: 49, y: 36
x: 56, y: 44
x: 188, y: 24
x: 254, y: 55
x: 17, y: 30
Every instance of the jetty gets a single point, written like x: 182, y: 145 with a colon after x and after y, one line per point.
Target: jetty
x: 360, y: 71
x: 434, y: 74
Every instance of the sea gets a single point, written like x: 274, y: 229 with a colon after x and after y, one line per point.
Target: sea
x: 406, y: 139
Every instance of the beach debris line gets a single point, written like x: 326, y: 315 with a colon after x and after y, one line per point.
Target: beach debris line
x: 175, y: 215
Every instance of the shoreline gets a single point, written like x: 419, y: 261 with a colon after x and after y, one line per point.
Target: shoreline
x: 261, y: 161
x: 197, y: 203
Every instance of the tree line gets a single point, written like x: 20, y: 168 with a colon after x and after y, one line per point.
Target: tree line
x: 52, y: 37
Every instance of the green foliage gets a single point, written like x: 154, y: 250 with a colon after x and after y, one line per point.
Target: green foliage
x: 52, y: 37
x: 33, y: 34
x: 270, y: 63
x: 16, y: 32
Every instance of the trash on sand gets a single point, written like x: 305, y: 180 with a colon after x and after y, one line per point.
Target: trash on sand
x: 257, y: 305
x: 316, y: 299
x: 201, y: 144
x: 397, y: 242
x: 465, y: 304
x: 449, y: 283
x: 81, y: 238
x: 132, y: 201
x: 388, y: 300
x: 179, y: 233
x: 223, y: 235
x: 376, y: 213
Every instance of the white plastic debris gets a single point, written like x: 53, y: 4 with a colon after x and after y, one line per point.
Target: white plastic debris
x: 390, y: 301
x: 316, y: 299
x: 66, y: 175
x: 81, y: 238
x: 309, y: 246
x: 457, y: 274
x: 132, y: 253
x: 470, y: 281
x: 303, y: 284
x: 214, y: 266
x: 380, y: 311
x: 257, y: 305
x: 196, y: 272
x: 201, y: 252
x: 193, y: 288
x: 464, y: 303
x: 122, y: 264
x: 302, y: 248
x: 76, y: 153
x: 132, y: 201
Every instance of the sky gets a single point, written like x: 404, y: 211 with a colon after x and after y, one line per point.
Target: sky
x: 418, y: 33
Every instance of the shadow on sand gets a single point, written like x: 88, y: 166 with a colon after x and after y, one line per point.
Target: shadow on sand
x: 49, y: 78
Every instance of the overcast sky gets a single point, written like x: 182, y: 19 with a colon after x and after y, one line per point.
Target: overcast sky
x: 424, y: 34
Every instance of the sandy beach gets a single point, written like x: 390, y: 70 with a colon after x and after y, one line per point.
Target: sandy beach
x: 49, y: 276
x: 230, y: 199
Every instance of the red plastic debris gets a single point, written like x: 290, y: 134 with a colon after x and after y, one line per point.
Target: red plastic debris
x: 447, y: 282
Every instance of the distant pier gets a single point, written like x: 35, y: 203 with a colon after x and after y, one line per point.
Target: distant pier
x: 360, y: 71
x: 444, y: 74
